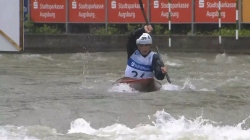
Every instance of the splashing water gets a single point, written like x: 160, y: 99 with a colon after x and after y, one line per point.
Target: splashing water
x: 166, y: 127
x: 173, y: 64
x: 188, y: 85
x: 220, y: 58
x: 223, y: 58
x: 122, y: 87
x: 171, y: 87
x: 10, y: 132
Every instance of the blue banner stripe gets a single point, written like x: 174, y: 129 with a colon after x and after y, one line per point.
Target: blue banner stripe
x: 25, y: 9
x: 137, y: 66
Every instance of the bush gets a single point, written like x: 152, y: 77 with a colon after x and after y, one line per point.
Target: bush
x: 112, y: 29
x: 132, y: 27
x: 29, y: 27
x: 45, y: 29
x: 226, y: 32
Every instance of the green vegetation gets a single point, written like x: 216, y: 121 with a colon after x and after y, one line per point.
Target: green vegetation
x: 45, y: 29
x: 226, y: 32
x: 132, y: 27
x: 231, y: 32
x: 160, y: 29
x: 124, y: 29
x: 114, y: 29
x: 29, y: 27
x: 111, y: 30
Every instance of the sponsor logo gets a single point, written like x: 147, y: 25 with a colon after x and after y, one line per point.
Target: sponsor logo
x: 74, y: 4
x: 201, y: 3
x: 156, y: 3
x: 141, y: 67
x: 113, y: 4
x: 35, y: 4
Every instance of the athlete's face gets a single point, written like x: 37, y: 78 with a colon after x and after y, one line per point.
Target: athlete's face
x: 144, y: 48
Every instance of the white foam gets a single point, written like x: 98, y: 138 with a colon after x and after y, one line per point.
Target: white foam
x: 10, y: 132
x: 122, y: 87
x: 86, y: 87
x: 80, y: 56
x: 174, y: 64
x: 200, y: 60
x: 205, y: 89
x: 101, y: 59
x: 166, y: 127
x: 187, y: 85
x: 171, y: 87
x: 81, y: 126
x: 35, y: 56
x: 30, y: 56
x: 223, y: 58
x: 163, y: 127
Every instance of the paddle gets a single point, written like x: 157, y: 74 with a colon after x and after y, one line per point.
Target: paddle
x: 147, y: 22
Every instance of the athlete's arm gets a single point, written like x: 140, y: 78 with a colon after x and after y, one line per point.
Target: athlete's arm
x: 131, y: 44
x: 157, y: 64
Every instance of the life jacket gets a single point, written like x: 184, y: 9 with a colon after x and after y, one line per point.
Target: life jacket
x: 139, y: 66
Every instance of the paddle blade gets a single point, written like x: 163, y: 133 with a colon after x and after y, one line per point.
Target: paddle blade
x: 168, y: 79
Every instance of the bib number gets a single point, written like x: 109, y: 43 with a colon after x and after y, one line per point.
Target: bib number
x: 136, y: 74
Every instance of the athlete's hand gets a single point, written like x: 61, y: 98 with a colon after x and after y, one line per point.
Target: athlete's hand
x: 148, y: 28
x: 164, y: 70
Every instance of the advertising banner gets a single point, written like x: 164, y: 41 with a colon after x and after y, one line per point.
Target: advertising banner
x: 87, y: 11
x: 181, y: 11
x: 126, y: 11
x: 246, y: 11
x: 207, y: 11
x: 53, y: 11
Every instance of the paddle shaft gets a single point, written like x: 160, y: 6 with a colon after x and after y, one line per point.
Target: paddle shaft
x: 147, y: 22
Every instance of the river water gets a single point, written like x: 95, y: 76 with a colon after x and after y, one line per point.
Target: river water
x: 71, y: 97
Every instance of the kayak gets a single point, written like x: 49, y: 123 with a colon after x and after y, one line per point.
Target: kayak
x: 142, y: 85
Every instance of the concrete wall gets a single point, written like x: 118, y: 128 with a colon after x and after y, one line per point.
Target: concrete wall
x: 95, y: 43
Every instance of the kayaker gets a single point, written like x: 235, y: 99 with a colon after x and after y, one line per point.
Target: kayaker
x: 142, y: 62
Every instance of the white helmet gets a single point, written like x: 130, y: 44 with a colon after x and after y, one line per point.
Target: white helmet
x: 145, y: 38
